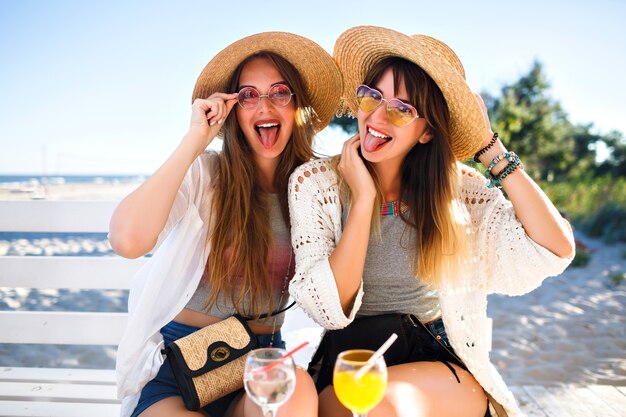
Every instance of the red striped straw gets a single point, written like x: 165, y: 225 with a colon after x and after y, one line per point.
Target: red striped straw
x: 281, y: 359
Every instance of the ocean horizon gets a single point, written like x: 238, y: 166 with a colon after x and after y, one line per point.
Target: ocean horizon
x: 6, y: 180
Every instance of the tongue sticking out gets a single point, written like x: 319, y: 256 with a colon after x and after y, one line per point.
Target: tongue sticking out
x: 372, y: 143
x: 269, y: 136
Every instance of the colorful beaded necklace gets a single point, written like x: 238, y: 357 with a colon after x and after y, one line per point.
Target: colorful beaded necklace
x: 393, y: 208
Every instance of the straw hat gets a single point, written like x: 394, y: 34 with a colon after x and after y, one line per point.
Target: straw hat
x: 318, y: 71
x: 359, y: 48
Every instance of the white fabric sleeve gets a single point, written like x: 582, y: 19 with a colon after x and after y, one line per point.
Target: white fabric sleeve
x: 315, y: 212
x: 189, y: 191
x: 514, y: 264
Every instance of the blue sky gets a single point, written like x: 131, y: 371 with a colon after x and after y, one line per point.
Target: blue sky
x: 104, y: 87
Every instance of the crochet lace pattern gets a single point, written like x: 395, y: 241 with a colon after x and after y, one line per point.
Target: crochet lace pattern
x: 503, y: 259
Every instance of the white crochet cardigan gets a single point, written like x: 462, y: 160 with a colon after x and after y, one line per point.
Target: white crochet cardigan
x: 503, y: 260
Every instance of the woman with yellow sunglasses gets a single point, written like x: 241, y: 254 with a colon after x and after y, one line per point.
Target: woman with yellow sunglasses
x: 396, y: 236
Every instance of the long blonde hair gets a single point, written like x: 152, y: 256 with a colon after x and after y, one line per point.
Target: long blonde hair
x: 430, y: 179
x: 241, y: 223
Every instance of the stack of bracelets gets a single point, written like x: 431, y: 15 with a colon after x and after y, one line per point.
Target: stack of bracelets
x: 514, y: 163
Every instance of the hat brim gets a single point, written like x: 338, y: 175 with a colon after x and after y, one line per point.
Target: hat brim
x: 358, y: 49
x: 319, y: 73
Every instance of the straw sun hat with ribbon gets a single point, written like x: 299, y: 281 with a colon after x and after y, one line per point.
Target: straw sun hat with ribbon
x: 358, y: 49
x: 317, y: 69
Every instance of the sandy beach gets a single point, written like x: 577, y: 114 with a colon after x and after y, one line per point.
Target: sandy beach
x: 570, y: 330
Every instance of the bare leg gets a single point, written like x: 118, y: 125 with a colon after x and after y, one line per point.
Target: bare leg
x: 170, y: 407
x: 303, y: 402
x: 420, y: 389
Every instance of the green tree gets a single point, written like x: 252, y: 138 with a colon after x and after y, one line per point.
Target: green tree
x: 563, y: 156
x: 615, y: 163
x: 560, y: 155
x: 536, y: 127
x: 346, y: 123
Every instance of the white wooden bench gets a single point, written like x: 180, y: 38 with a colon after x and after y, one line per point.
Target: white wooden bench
x: 60, y: 391
x: 36, y: 392
x: 75, y: 392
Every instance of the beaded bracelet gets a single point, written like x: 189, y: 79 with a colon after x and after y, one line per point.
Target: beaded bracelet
x: 515, y: 162
x: 512, y: 156
x: 509, y: 169
x: 508, y: 155
x: 486, y: 148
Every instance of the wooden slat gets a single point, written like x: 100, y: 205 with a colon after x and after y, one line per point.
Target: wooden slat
x: 68, y: 271
x: 57, y: 327
x: 66, y: 375
x: 29, y: 391
x: 56, y: 216
x: 611, y: 396
x: 57, y: 409
x: 526, y: 402
x: 594, y: 403
x: 567, y: 398
x: 546, y: 401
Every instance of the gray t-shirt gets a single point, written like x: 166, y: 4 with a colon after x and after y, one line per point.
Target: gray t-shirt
x: 389, y: 284
x: 281, y: 264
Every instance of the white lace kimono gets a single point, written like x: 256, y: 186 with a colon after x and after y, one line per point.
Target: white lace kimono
x: 503, y: 260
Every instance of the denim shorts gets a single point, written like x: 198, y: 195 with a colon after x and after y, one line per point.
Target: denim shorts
x: 164, y: 385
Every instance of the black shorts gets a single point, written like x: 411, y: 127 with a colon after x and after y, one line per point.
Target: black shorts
x: 416, y: 342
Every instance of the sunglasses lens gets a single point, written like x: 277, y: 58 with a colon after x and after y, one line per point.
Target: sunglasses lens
x: 248, y: 97
x: 280, y: 95
x: 400, y: 113
x: 368, y: 98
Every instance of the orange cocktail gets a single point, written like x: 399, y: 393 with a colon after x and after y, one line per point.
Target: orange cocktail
x: 359, y: 392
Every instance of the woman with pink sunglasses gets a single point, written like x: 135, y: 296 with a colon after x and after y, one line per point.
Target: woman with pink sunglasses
x: 396, y: 236
x: 217, y: 223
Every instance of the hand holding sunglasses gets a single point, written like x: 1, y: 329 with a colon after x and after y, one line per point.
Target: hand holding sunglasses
x: 399, y: 113
x: 207, y: 118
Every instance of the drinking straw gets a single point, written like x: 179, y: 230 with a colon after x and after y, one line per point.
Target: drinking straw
x: 282, y: 358
x: 372, y: 360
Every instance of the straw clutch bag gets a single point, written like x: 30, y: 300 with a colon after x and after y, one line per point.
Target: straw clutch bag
x: 208, y: 364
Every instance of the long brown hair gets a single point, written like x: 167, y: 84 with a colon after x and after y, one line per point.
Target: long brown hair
x: 430, y: 178
x: 240, y: 211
